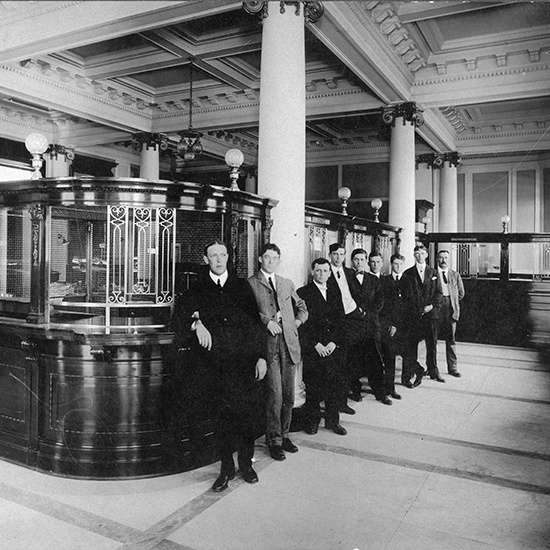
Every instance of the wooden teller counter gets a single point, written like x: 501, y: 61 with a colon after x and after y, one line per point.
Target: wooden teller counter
x: 91, y: 384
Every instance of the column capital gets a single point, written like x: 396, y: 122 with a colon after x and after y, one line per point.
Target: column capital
x: 313, y: 10
x: 437, y: 160
x: 150, y: 140
x: 55, y: 150
x: 410, y: 112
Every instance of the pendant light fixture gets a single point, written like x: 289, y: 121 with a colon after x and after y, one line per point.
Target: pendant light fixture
x: 190, y: 141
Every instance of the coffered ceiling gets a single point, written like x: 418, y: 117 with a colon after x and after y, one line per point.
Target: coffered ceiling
x: 89, y: 74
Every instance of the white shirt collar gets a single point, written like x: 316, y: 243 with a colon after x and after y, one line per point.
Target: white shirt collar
x: 268, y: 276
x: 320, y: 287
x: 222, y: 278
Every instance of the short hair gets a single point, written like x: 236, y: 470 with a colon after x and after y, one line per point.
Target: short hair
x: 212, y: 243
x: 269, y: 246
x: 335, y: 246
x: 443, y: 251
x: 319, y: 261
x: 375, y: 254
x: 420, y: 247
x: 397, y: 257
x: 358, y: 251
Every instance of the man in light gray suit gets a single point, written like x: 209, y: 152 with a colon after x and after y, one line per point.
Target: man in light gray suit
x: 282, y: 311
x: 449, y: 313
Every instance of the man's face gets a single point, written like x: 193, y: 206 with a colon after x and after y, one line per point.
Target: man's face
x: 397, y: 266
x: 337, y: 257
x: 269, y: 261
x: 359, y: 262
x: 420, y: 256
x: 375, y: 264
x: 216, y: 258
x: 321, y: 273
x: 443, y: 260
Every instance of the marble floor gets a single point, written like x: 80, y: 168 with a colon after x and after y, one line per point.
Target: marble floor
x: 463, y: 465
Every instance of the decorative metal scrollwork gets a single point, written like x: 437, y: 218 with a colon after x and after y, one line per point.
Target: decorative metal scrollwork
x: 150, y: 140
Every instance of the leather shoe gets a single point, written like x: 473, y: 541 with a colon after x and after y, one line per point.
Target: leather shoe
x: 222, y: 482
x: 276, y: 452
x: 385, y: 400
x: 347, y: 410
x: 437, y: 378
x: 249, y: 475
x: 336, y: 428
x: 312, y: 429
x: 418, y: 379
x: 395, y: 395
x: 356, y: 396
x: 455, y: 373
x: 288, y: 446
x: 407, y: 384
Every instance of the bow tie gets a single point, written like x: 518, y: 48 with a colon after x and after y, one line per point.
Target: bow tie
x: 359, y: 272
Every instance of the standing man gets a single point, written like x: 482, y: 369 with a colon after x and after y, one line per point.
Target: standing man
x: 219, y: 320
x: 342, y: 278
x: 425, y: 302
x: 394, y: 321
x: 282, y: 311
x: 323, y: 350
x: 453, y: 291
x: 366, y: 354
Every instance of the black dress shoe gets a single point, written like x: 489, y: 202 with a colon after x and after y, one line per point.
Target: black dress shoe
x: 395, y: 395
x: 249, y: 475
x: 276, y: 452
x: 222, y: 482
x: 312, y: 429
x: 288, y: 446
x: 356, y: 396
x: 336, y: 428
x: 437, y: 378
x: 455, y: 373
x: 347, y: 410
x: 407, y: 384
x: 385, y: 400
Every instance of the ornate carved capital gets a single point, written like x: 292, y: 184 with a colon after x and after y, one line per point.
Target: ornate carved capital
x: 437, y: 160
x: 410, y: 112
x: 36, y: 212
x: 313, y: 10
x: 54, y: 150
x: 149, y: 140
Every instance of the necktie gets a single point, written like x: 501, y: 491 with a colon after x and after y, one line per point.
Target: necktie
x: 274, y: 292
x: 444, y: 277
x: 338, y: 274
x: 220, y: 284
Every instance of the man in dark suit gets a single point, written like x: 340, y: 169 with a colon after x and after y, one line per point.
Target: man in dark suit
x: 393, y: 321
x: 425, y: 300
x: 366, y: 353
x: 342, y: 278
x: 282, y: 311
x: 218, y: 318
x: 323, y: 351
x: 452, y: 289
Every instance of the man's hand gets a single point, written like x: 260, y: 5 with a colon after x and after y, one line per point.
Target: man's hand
x: 428, y: 308
x: 203, y: 336
x: 274, y: 328
x: 261, y: 369
x: 393, y: 330
x: 325, y: 351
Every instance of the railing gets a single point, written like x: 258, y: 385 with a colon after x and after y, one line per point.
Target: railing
x: 503, y: 256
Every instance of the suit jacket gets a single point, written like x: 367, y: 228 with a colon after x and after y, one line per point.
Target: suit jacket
x: 424, y: 293
x: 352, y: 283
x: 325, y: 322
x: 291, y: 306
x: 371, y: 301
x: 395, y: 312
x: 456, y: 291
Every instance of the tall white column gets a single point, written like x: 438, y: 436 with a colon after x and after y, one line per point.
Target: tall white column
x: 402, y: 207
x: 151, y: 145
x: 448, y: 200
x: 282, y: 140
x: 58, y: 161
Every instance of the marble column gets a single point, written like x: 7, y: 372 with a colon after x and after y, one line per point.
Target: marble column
x: 403, y: 119
x: 282, y: 143
x: 58, y: 161
x: 448, y: 199
x: 150, y: 146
